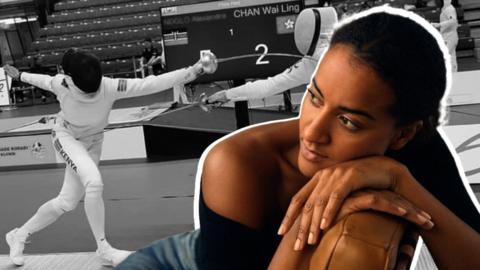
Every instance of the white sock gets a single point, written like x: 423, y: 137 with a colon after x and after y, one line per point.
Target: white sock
x: 45, y: 215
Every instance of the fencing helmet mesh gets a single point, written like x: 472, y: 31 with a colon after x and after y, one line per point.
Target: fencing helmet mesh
x: 314, y: 25
x: 84, y: 68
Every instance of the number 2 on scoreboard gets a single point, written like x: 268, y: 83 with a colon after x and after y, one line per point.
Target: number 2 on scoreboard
x: 260, y: 60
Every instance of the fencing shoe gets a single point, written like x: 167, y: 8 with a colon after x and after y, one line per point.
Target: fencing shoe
x: 16, y: 241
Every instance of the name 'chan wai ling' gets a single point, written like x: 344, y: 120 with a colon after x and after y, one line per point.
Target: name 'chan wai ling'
x: 266, y: 10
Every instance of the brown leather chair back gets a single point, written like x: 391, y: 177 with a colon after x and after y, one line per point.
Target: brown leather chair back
x: 365, y: 240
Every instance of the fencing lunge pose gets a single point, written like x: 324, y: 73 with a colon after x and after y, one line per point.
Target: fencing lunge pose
x: 86, y: 99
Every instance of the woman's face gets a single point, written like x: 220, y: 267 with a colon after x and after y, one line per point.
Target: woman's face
x: 344, y: 114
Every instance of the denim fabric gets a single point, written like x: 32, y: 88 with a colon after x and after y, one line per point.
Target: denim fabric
x: 176, y: 252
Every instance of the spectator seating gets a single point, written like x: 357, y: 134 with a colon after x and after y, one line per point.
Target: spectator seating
x: 463, y: 30
x: 100, y: 24
x: 101, y: 37
x: 114, y: 30
x: 431, y: 14
x: 117, y: 66
x: 473, y: 13
x: 75, y: 4
x: 106, y: 11
x: 104, y: 52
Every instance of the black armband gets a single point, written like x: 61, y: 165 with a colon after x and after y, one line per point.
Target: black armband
x: 20, y: 76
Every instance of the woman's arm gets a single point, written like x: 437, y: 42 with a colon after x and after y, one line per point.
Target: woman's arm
x: 438, y: 227
x: 286, y: 258
x: 452, y: 243
x: 319, y: 201
x: 432, y: 183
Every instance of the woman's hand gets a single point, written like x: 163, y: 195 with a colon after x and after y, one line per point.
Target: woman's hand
x: 369, y: 199
x: 12, y: 72
x: 323, y: 196
x: 384, y: 201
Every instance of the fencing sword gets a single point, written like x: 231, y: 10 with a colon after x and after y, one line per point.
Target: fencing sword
x: 42, y: 120
x: 237, y: 57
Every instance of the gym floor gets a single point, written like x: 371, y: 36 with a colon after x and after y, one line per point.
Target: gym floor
x: 144, y: 201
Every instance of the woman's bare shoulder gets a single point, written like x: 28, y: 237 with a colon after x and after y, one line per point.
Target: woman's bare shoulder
x: 239, y: 172
x: 275, y: 135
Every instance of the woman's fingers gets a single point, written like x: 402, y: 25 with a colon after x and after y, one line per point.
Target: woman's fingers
x: 319, y: 206
x: 322, y: 200
x: 388, y: 202
x: 296, y: 203
x: 304, y: 228
x: 413, y: 214
x: 337, y: 182
x: 334, y: 204
x: 312, y: 212
x: 379, y: 200
x: 289, y: 218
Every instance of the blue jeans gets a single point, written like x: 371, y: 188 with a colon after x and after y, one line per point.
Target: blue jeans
x: 176, y: 252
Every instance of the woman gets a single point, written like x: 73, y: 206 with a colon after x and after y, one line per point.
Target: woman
x: 86, y: 99
x: 372, y: 104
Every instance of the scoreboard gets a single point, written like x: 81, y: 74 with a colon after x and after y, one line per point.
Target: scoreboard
x: 228, y: 29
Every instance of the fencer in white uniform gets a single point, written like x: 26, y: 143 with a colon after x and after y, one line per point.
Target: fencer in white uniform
x: 86, y: 99
x: 448, y: 28
x: 313, y: 28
